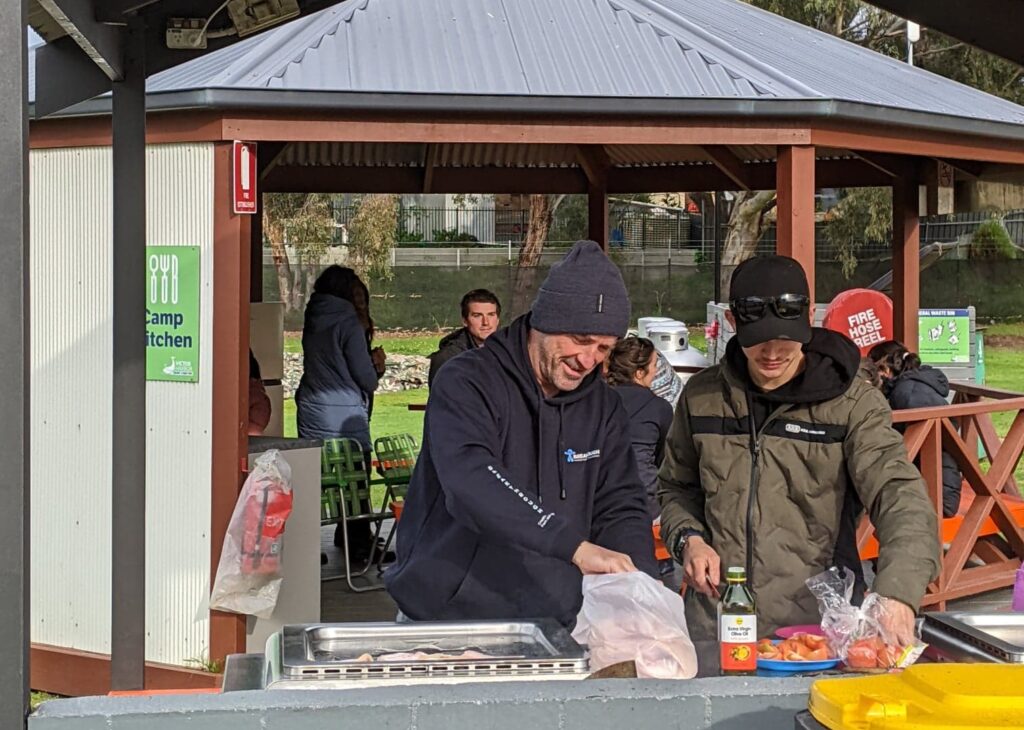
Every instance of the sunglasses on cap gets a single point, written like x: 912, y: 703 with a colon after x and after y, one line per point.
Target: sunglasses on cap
x: 785, y: 306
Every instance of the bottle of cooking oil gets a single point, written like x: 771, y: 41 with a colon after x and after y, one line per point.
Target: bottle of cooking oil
x: 737, y: 625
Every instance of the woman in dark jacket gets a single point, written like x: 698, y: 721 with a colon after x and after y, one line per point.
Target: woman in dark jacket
x: 340, y: 371
x: 909, y: 384
x: 630, y: 370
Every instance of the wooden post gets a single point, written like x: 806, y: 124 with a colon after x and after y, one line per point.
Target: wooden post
x: 232, y: 237
x: 906, y: 261
x: 597, y: 207
x: 794, y: 184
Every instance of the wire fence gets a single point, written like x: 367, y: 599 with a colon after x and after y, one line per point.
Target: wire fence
x: 636, y: 228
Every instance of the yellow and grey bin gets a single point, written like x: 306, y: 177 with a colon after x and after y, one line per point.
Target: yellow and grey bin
x: 924, y: 697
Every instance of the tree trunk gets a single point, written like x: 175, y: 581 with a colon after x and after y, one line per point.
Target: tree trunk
x: 746, y: 226
x: 542, y: 212
x: 275, y: 234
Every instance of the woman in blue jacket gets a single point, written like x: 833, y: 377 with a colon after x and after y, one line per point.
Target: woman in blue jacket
x: 909, y: 384
x: 340, y: 371
x: 631, y: 369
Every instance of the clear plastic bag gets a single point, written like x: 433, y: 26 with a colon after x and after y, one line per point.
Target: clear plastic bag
x: 632, y: 617
x: 249, y: 572
x: 858, y: 635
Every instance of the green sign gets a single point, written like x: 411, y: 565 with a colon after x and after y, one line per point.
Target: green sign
x: 172, y: 313
x: 944, y: 336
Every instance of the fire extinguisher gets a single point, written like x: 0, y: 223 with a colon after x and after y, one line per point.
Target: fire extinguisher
x: 266, y: 511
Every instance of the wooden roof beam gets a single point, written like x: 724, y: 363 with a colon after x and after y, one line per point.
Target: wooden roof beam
x: 895, y: 166
x: 730, y: 165
x: 429, y: 164
x: 973, y: 170
x: 594, y: 161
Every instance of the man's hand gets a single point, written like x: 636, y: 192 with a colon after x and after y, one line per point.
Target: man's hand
x: 898, y: 621
x: 702, y: 568
x: 593, y: 559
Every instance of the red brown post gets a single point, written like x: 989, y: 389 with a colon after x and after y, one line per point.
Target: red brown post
x: 230, y: 337
x: 906, y: 261
x: 794, y: 184
x: 597, y: 206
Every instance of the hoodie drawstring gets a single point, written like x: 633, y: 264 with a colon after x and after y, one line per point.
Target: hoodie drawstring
x: 561, y: 451
x: 540, y: 441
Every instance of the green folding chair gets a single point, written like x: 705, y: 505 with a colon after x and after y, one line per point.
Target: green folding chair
x: 396, y: 459
x: 345, y: 498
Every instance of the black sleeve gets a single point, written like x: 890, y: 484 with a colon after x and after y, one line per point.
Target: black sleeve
x: 664, y: 422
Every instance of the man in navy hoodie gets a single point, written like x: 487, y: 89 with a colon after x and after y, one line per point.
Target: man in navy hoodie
x: 526, y: 481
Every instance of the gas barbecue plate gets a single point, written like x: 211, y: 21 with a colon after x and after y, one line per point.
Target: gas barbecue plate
x: 332, y: 651
x: 1000, y: 635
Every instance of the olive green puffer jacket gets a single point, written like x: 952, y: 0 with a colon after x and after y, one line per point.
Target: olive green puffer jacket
x: 771, y: 501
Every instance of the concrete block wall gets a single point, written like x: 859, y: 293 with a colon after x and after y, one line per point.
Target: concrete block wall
x: 721, y: 703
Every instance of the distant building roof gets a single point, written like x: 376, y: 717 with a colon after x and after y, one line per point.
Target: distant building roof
x: 593, y: 56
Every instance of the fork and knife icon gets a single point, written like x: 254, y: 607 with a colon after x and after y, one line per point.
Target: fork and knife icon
x: 163, y: 279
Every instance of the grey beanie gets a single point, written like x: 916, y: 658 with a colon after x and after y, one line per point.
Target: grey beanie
x: 583, y: 295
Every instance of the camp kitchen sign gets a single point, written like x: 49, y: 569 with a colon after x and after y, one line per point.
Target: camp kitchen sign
x: 172, y: 313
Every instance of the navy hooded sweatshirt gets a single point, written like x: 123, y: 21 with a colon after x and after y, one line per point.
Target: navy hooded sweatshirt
x: 650, y: 417
x: 338, y: 378
x: 927, y: 387
x: 507, y: 486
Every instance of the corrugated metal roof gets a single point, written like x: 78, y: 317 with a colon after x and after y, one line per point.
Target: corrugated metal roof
x: 592, y: 48
x: 678, y: 56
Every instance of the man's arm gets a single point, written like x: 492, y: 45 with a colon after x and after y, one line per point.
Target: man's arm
x: 463, y: 430
x: 621, y: 521
x: 679, y: 489
x: 892, y: 490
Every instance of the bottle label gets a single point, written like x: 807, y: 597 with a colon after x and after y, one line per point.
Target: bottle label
x: 738, y: 636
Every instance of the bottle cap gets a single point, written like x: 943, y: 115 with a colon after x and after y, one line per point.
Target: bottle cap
x: 736, y: 573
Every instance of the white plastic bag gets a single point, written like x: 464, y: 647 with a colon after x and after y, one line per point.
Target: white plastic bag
x: 632, y: 617
x: 249, y: 573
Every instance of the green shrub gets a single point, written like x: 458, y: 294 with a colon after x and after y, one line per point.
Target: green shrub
x: 992, y: 242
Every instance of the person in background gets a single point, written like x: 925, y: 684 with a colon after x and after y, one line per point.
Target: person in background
x: 526, y: 481
x: 481, y: 317
x: 666, y: 384
x: 631, y: 367
x: 259, y: 401
x: 340, y: 373
x: 909, y: 384
x: 764, y: 448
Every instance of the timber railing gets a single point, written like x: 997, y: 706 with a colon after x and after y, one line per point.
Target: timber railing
x: 983, y: 545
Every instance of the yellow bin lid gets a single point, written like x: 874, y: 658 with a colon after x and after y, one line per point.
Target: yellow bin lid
x: 932, y: 696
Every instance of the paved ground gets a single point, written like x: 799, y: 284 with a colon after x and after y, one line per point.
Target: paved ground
x: 338, y: 603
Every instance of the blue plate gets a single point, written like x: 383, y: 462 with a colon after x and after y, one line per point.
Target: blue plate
x: 780, y: 665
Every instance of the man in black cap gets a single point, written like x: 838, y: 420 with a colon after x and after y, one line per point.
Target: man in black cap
x: 762, y: 452
x: 526, y: 480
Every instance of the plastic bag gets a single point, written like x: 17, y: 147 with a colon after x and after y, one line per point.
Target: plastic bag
x: 858, y: 636
x: 249, y: 573
x: 632, y: 617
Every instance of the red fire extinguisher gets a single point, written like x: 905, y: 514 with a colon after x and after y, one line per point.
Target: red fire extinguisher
x: 266, y: 511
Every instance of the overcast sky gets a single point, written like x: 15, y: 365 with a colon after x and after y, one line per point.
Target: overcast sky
x: 33, y: 38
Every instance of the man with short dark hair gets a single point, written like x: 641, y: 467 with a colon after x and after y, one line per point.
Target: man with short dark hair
x: 481, y: 317
x: 762, y: 452
x: 526, y: 480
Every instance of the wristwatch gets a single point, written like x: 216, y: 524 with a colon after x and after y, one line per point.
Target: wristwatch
x: 679, y: 543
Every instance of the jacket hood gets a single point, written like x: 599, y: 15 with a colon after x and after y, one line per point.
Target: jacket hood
x: 509, y: 345
x: 323, y: 307
x: 831, y: 366
x: 927, y: 376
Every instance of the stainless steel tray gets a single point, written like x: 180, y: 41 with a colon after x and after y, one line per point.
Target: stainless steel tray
x: 999, y: 635
x: 513, y: 648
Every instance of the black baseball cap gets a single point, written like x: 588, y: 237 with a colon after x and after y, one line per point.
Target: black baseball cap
x: 770, y: 277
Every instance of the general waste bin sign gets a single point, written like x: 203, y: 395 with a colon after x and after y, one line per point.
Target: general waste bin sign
x: 944, y: 336
x: 863, y: 315
x: 172, y: 313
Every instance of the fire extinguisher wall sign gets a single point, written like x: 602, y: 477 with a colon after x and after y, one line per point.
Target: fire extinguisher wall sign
x: 243, y: 179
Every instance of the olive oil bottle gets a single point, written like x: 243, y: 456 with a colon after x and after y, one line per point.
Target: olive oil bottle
x: 737, y: 625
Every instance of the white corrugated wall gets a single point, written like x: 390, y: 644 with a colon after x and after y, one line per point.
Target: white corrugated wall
x: 71, y: 407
